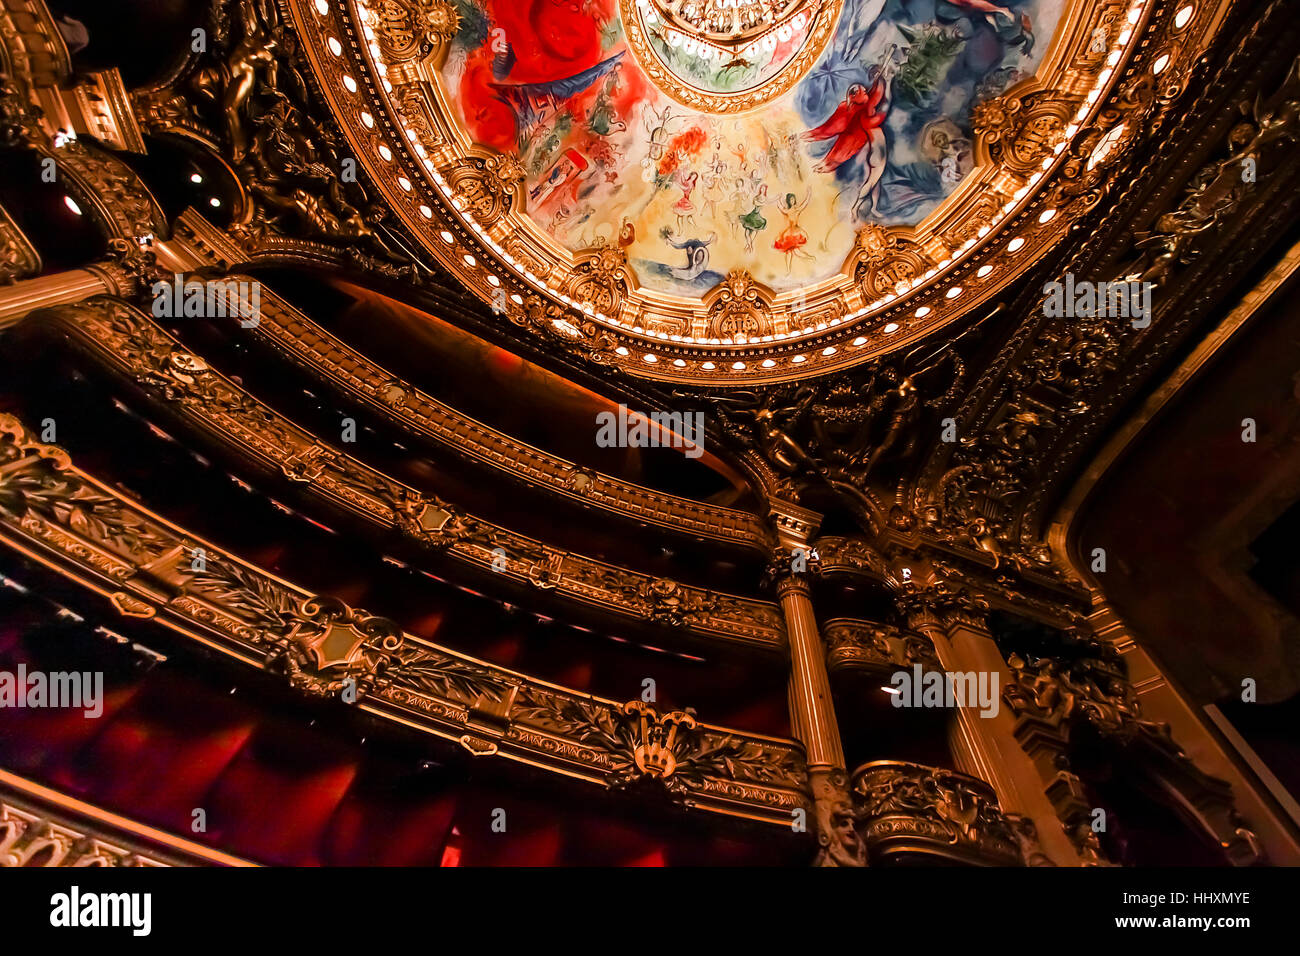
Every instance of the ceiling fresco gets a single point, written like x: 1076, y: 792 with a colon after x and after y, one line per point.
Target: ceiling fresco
x: 733, y: 192
x: 876, y: 130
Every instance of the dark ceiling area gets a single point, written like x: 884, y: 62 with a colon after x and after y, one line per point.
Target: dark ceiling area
x: 1193, y: 519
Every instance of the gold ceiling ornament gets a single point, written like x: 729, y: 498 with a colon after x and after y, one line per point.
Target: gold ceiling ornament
x: 332, y: 649
x: 414, y: 29
x: 486, y: 183
x: 656, y: 752
x: 601, y: 279
x: 887, y: 262
x: 706, y: 54
x: 1020, y: 130
x: 740, y: 307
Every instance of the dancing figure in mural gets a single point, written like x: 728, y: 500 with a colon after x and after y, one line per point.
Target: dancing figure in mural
x: 684, y: 208
x: 715, y: 185
x: 792, y: 239
x: 857, y: 124
x: 753, y: 221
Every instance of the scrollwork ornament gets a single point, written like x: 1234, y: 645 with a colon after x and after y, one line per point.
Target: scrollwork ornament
x: 415, y: 29
x: 331, y: 648
x: 739, y: 307
x: 485, y: 184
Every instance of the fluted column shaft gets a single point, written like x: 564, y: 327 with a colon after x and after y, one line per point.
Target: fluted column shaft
x: 812, y: 713
x: 61, y: 288
x: 986, y: 746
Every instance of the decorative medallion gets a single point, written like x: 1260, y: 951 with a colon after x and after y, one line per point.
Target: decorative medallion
x: 727, y: 56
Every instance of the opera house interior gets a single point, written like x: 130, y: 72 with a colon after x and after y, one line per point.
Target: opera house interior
x: 681, y: 433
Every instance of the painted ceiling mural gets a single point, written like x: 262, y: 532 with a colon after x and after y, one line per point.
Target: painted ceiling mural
x: 875, y: 129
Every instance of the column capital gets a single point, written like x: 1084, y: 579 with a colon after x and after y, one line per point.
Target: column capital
x: 793, y: 584
x: 794, y: 525
x: 941, y: 604
x: 130, y: 269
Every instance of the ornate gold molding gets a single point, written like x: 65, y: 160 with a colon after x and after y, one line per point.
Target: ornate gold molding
x: 908, y: 810
x: 877, y: 648
x: 294, y: 335
x: 31, y: 47
x: 42, y: 827
x: 62, y: 517
x: 18, y: 257
x: 119, y: 337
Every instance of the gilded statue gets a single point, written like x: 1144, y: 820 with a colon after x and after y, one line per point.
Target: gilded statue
x: 255, y: 52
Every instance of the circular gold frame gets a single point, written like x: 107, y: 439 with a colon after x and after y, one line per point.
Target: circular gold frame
x: 825, y: 21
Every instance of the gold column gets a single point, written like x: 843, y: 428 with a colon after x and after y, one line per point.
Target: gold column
x: 131, y: 267
x: 986, y: 747
x: 62, y: 288
x: 812, y: 715
x: 812, y: 712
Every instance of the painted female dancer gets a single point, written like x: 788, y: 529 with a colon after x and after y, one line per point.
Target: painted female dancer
x: 792, y: 239
x: 753, y: 220
x: 684, y: 208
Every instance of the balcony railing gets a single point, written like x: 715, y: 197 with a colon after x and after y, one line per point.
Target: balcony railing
x: 907, y: 812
